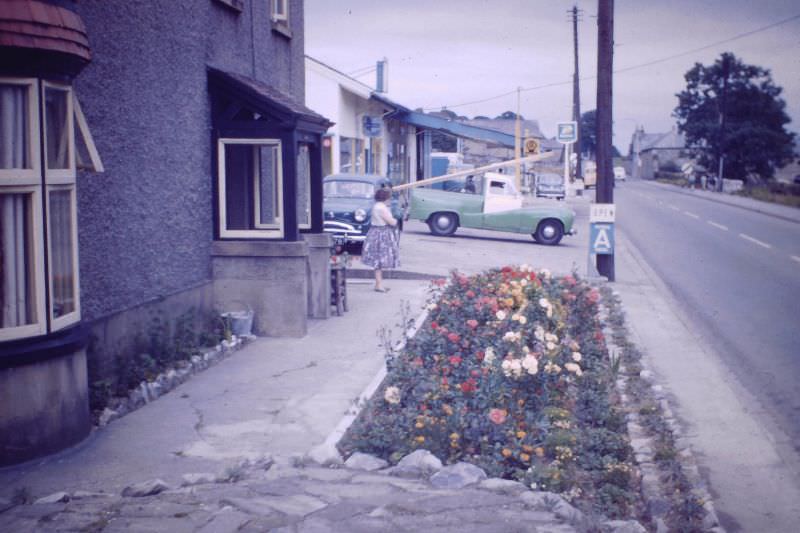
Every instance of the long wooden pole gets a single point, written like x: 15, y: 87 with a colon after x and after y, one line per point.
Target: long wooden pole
x: 470, y: 172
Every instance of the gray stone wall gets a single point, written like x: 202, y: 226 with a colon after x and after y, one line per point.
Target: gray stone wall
x: 146, y: 224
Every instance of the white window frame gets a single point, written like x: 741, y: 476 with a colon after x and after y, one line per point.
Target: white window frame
x: 75, y: 316
x: 40, y: 326
x: 271, y: 231
x: 33, y: 175
x: 61, y: 175
x: 279, y: 10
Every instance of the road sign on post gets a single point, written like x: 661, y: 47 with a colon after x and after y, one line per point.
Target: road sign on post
x: 567, y: 132
x: 601, y: 229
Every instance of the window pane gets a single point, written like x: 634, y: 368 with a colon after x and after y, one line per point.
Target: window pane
x: 62, y: 251
x: 18, y: 289
x: 303, y: 184
x: 267, y: 185
x: 238, y: 186
x: 56, y: 126
x: 14, y: 126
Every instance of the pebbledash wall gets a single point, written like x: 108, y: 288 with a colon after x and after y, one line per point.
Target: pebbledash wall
x: 147, y: 224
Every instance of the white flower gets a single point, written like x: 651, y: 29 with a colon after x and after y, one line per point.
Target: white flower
x: 488, y: 356
x: 576, y: 356
x: 549, y: 312
x: 552, y: 368
x: 539, y: 333
x: 545, y: 273
x: 574, y: 368
x: 525, y: 268
x: 512, y: 367
x: 530, y: 364
x: 551, y: 345
x: 392, y: 395
x: 523, y: 282
x: 510, y: 336
x: 551, y: 337
x: 544, y: 302
x: 522, y: 319
x: 501, y: 315
x: 431, y: 306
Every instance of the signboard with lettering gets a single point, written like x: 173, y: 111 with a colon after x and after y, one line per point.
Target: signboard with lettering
x: 372, y: 126
x: 602, y: 213
x: 601, y: 238
x: 567, y: 132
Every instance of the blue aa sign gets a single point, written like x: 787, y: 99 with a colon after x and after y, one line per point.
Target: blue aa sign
x: 601, y: 238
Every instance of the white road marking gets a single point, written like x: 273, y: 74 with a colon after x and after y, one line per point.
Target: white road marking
x: 720, y: 226
x: 688, y: 214
x: 754, y: 240
x: 796, y: 258
x: 674, y: 207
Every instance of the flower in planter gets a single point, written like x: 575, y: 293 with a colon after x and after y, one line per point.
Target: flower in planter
x: 498, y: 416
x: 392, y: 395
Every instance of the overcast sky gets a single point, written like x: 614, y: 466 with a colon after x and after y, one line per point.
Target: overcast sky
x: 445, y: 53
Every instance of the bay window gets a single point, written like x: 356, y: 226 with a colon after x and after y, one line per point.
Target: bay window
x: 39, y: 282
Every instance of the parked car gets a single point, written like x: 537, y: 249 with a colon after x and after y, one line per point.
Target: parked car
x: 347, y: 205
x: 550, y: 186
x: 498, y: 207
x: 619, y: 173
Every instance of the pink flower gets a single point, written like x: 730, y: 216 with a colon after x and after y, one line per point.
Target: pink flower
x: 434, y: 325
x: 469, y: 386
x: 472, y: 323
x: 498, y: 416
x: 453, y: 337
x: 455, y: 360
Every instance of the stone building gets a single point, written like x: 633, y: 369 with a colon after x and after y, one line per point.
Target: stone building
x: 155, y: 157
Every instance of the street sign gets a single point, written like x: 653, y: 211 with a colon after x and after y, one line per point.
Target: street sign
x: 601, y: 238
x: 371, y: 126
x: 531, y: 146
x: 567, y: 132
x: 602, y: 213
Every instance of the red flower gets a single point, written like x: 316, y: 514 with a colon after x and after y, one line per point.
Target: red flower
x: 472, y: 323
x: 455, y: 360
x: 475, y: 373
x: 417, y: 361
x: 453, y: 337
x: 480, y: 355
x: 569, y: 281
x: 469, y: 386
x: 444, y: 381
x: 470, y: 294
x: 598, y: 335
x: 434, y: 325
x: 439, y: 282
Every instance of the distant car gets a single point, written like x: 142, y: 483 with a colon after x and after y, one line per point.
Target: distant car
x: 550, y: 186
x: 619, y: 173
x: 347, y: 205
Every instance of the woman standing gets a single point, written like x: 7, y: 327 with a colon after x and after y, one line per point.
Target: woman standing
x: 381, y: 247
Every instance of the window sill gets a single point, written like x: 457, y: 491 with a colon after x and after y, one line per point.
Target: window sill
x: 235, y: 5
x: 281, y: 28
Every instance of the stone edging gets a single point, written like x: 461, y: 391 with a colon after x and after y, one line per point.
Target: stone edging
x: 643, y: 445
x: 148, y: 391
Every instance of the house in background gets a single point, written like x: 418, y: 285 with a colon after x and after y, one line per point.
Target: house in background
x: 652, y: 152
x: 365, y: 137
x: 156, y: 158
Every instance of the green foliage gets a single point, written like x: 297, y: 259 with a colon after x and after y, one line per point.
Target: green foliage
x: 754, y: 139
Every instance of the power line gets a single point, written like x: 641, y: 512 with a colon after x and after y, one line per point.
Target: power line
x: 626, y: 69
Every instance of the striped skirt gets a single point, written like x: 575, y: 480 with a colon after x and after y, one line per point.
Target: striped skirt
x: 381, y: 248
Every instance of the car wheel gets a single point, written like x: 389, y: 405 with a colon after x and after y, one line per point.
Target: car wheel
x: 443, y: 224
x: 549, y: 231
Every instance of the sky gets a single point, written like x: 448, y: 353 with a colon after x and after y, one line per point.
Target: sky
x: 464, y: 55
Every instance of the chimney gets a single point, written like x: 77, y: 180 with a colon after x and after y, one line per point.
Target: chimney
x: 382, y: 72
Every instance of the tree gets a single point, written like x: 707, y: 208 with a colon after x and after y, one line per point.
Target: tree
x: 733, y: 112
x: 509, y: 115
x: 587, y: 133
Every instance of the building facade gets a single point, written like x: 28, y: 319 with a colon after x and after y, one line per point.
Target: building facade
x: 156, y: 157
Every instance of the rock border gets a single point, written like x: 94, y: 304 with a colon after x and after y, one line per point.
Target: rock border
x: 148, y: 391
x: 653, y: 493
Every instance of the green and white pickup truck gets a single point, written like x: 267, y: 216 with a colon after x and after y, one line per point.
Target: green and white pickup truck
x: 496, y: 205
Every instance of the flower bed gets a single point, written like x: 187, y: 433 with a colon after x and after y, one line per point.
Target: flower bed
x: 510, y: 372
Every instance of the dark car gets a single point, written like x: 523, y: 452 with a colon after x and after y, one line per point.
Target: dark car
x: 347, y: 205
x: 550, y: 186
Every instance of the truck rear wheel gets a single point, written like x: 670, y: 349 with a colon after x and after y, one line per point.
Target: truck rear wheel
x: 443, y: 224
x: 549, y: 231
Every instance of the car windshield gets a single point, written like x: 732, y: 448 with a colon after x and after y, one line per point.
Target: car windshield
x: 550, y: 179
x: 348, y: 189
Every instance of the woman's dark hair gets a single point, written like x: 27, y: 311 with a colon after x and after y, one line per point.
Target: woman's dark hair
x: 382, y: 194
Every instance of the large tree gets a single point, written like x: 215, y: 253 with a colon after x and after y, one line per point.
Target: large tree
x: 733, y: 111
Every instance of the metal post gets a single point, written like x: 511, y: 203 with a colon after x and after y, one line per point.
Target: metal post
x: 605, y: 174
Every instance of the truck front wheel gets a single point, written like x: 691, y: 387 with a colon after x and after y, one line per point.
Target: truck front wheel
x: 549, y: 231
x: 443, y: 224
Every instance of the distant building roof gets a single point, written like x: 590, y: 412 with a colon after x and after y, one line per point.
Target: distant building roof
x: 672, y: 140
x: 507, y: 125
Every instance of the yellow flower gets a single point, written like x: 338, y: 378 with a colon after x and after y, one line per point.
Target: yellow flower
x: 419, y: 425
x: 525, y: 457
x: 539, y: 451
x: 506, y: 452
x: 420, y: 439
x: 455, y: 436
x: 447, y: 410
x: 521, y: 435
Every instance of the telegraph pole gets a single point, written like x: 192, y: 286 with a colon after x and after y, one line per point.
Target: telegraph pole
x: 605, y: 173
x: 576, y: 94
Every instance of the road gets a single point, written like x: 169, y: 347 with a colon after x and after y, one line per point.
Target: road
x: 736, y: 275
